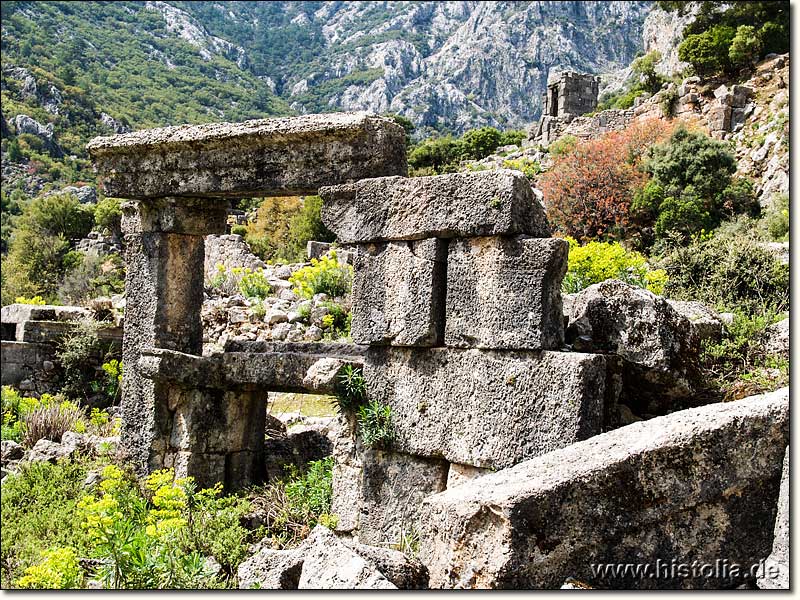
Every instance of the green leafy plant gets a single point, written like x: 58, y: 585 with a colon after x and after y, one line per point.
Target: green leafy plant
x: 59, y: 569
x: 728, y: 272
x: 36, y: 300
x: 323, y: 276
x: 375, y: 425
x: 598, y: 261
x: 351, y: 388
x: 111, y: 382
x: 254, y: 284
x: 78, y: 353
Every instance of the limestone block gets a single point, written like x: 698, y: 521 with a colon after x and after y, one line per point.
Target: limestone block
x: 505, y: 293
x: 496, y: 202
x: 776, y: 567
x: 330, y: 565
x: 719, y: 118
x: 377, y: 494
x: 458, y: 474
x: 270, y: 569
x: 398, y: 293
x: 265, y: 157
x: 660, y: 346
x: 487, y: 408
x: 19, y: 313
x: 696, y: 485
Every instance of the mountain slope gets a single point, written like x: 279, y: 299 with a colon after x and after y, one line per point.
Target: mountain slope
x: 444, y: 65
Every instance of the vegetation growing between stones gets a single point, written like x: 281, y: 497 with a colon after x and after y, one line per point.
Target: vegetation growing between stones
x: 351, y: 390
x: 78, y: 353
x: 598, y: 261
x: 375, y: 425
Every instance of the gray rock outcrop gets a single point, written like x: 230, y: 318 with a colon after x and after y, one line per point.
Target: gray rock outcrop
x: 776, y: 567
x: 658, y: 344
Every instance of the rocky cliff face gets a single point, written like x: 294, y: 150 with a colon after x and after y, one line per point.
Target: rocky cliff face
x: 444, y: 65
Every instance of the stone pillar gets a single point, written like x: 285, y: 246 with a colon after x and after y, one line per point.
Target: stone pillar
x: 164, y: 253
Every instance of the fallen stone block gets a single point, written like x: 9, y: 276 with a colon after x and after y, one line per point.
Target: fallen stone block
x: 487, y: 408
x: 19, y: 313
x: 398, y: 293
x: 776, y: 567
x: 47, y: 451
x: 705, y: 321
x: 331, y: 565
x: 270, y: 569
x: 696, y: 485
x: 496, y: 202
x: 659, y: 345
x: 10, y: 450
x: 266, y: 157
x: 505, y: 293
x: 280, y: 569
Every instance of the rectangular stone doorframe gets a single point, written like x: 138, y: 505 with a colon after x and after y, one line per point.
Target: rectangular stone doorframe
x: 164, y: 254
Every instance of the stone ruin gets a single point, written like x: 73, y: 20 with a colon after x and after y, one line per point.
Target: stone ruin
x: 567, y: 96
x: 499, y: 463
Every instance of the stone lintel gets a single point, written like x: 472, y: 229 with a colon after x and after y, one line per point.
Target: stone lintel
x: 275, y: 371
x: 265, y: 157
x: 496, y: 202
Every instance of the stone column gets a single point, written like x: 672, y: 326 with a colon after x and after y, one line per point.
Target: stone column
x: 164, y: 254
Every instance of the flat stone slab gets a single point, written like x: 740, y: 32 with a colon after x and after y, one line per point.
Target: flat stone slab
x: 505, y: 293
x: 487, y: 408
x: 19, y: 313
x: 497, y: 202
x: 265, y: 157
x: 398, y: 293
x: 298, y: 372
x: 697, y: 485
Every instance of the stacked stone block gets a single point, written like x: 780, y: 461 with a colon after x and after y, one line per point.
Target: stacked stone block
x: 457, y: 293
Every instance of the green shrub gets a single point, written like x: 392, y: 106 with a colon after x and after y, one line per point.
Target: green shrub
x: 729, y: 273
x: 36, y: 300
x: 644, y: 68
x: 239, y: 230
x: 15, y: 409
x: 79, y: 352
x: 745, y: 47
x: 375, y: 425
x: 110, y: 383
x: 39, y: 512
x: 692, y: 188
x: 598, y: 261
x: 736, y: 365
x: 59, y: 569
x: 312, y: 492
x: 93, y: 276
x: 254, y: 284
x: 776, y: 219
x: 336, y: 324
x: 708, y: 52
x: 513, y: 137
x: 562, y: 145
x: 480, y: 143
x: 530, y: 168
x: 323, y: 276
x: 108, y: 215
x: 39, y: 250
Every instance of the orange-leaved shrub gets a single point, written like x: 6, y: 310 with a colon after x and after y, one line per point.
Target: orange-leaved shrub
x: 589, y: 189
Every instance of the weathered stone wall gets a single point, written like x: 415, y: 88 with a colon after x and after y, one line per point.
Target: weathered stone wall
x: 457, y: 294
